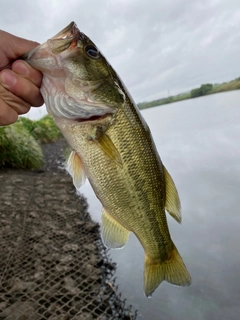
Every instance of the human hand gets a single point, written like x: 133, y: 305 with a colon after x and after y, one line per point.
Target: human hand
x: 19, y: 82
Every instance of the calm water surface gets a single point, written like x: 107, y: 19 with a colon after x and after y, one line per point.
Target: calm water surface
x: 199, y: 143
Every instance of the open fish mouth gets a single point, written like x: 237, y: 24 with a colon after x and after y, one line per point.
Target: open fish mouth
x: 63, y: 40
x: 66, y: 38
x: 69, y: 31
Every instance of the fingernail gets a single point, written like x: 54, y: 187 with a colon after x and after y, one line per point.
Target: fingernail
x: 8, y: 78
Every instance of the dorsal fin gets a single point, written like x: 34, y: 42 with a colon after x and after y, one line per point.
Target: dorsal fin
x: 172, y: 205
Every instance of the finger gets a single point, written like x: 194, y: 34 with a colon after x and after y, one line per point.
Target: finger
x: 21, y: 87
x: 7, y: 114
x: 23, y: 68
x: 13, y: 101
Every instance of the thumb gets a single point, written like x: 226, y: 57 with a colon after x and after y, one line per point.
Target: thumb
x: 12, y: 47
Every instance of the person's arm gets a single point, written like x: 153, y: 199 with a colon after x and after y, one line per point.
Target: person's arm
x: 19, y: 82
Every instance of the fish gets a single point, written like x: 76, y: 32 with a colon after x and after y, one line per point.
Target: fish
x: 113, y: 148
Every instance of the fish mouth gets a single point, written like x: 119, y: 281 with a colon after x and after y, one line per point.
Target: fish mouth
x: 69, y: 31
x: 63, y: 40
x: 67, y: 38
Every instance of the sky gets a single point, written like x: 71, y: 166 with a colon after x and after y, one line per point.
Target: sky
x: 158, y: 47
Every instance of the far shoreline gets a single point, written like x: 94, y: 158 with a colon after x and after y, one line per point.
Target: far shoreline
x: 203, y: 90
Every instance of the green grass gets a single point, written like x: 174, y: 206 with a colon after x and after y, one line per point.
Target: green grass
x: 18, y: 149
x: 228, y: 86
x: 43, y: 130
x: 20, y: 143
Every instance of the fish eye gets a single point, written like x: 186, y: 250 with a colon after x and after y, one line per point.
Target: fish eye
x: 92, y: 51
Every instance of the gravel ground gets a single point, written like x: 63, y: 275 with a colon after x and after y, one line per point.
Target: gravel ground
x: 53, y: 156
x: 52, y: 262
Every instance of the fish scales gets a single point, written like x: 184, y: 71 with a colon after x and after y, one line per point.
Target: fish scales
x: 129, y: 196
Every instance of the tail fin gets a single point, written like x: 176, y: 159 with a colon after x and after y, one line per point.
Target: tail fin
x: 172, y: 270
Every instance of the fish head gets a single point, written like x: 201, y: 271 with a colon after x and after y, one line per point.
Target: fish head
x: 78, y: 81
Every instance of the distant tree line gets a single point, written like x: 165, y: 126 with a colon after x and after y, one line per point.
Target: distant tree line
x: 202, y: 91
x: 159, y: 102
x: 205, y: 89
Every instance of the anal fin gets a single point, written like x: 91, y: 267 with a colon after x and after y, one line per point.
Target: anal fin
x: 172, y: 205
x: 114, y: 235
x: 74, y: 167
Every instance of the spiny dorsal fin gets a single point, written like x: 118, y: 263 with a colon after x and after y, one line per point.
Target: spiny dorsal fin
x: 106, y: 144
x: 74, y: 167
x: 114, y: 235
x: 172, y: 205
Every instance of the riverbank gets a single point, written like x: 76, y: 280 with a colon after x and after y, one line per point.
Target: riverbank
x: 205, y: 89
x: 52, y: 262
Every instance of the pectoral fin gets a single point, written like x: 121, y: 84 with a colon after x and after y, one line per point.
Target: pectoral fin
x: 74, y: 167
x: 172, y: 205
x: 106, y: 144
x: 114, y: 235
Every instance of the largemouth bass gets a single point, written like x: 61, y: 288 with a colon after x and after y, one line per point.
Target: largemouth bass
x: 112, y: 146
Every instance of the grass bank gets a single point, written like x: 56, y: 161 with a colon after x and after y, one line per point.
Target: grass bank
x: 20, y: 143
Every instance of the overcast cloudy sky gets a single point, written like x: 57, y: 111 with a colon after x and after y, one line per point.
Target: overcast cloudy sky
x: 158, y: 47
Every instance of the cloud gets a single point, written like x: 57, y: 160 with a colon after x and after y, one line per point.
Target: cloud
x: 156, y: 46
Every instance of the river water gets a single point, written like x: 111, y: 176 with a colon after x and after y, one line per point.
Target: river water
x: 198, y: 141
